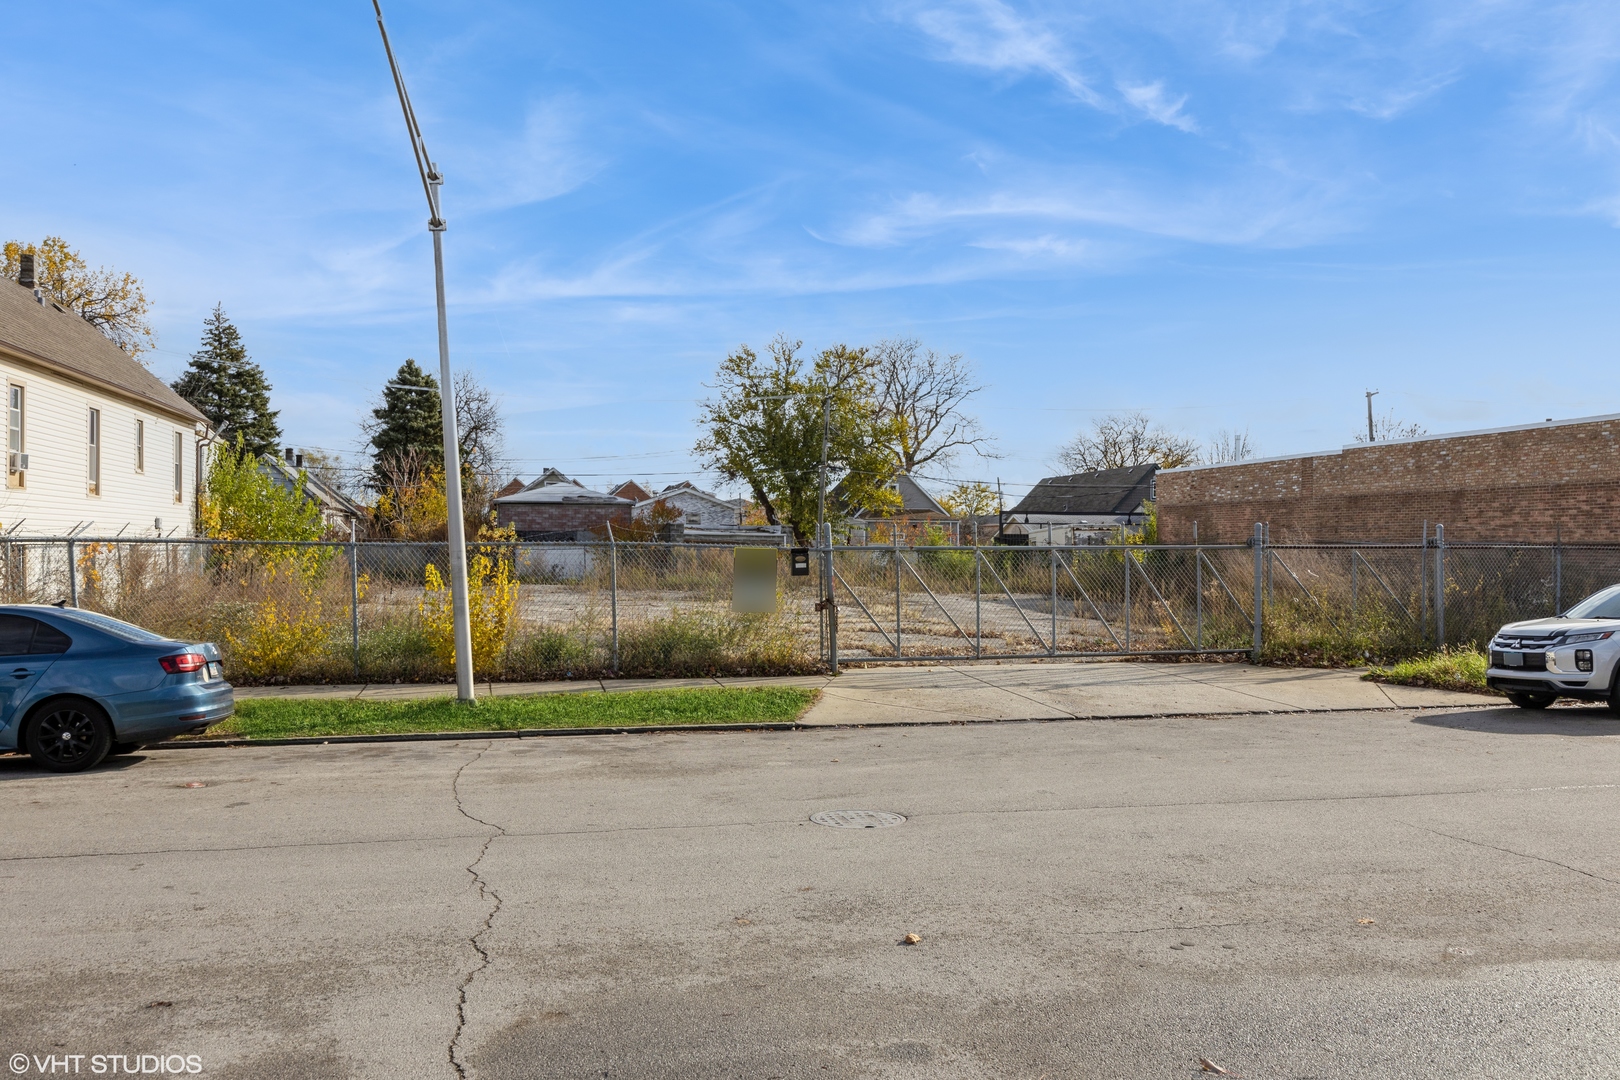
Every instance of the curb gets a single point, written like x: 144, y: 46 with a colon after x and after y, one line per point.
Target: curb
x: 653, y: 729
x: 454, y: 736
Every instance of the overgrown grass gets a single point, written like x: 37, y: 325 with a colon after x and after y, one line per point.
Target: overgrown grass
x: 272, y: 718
x: 1457, y: 668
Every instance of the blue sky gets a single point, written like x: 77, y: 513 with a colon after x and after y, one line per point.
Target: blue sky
x: 1229, y: 215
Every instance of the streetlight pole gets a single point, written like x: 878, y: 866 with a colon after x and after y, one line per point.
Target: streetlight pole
x: 432, y: 180
x: 1370, y: 395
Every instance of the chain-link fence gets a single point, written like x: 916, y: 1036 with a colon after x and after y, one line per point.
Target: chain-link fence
x: 381, y: 611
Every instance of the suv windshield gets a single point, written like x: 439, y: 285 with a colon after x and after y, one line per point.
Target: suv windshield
x: 1600, y: 605
x: 116, y: 627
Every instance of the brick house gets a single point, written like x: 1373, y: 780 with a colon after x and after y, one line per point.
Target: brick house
x: 557, y: 508
x: 1532, y: 482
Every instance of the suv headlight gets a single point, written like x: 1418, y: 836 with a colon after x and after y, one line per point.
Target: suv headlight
x: 1573, y: 638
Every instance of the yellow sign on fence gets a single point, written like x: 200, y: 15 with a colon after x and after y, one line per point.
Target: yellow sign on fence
x: 753, y: 579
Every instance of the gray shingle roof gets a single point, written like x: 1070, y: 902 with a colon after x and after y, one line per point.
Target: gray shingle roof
x: 569, y: 492
x: 1110, y: 491
x: 62, y: 342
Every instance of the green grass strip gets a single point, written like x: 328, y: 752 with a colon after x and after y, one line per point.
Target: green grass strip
x: 1459, y: 668
x: 283, y: 718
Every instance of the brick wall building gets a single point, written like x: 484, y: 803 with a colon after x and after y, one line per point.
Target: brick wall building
x: 1521, y: 483
x: 552, y: 509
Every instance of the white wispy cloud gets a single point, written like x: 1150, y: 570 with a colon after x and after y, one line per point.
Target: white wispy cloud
x: 1151, y: 100
x: 993, y: 36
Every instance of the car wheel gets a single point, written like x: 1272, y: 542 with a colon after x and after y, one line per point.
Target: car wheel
x: 1614, y: 693
x: 68, y: 735
x: 1526, y: 700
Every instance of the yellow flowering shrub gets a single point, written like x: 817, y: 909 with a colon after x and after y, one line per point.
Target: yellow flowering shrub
x: 492, y: 593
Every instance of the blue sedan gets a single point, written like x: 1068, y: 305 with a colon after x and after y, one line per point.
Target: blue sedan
x: 82, y: 686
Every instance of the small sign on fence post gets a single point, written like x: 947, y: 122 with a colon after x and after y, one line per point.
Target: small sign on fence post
x: 753, y: 580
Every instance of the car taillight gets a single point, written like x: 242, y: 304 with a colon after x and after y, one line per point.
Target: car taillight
x: 186, y: 661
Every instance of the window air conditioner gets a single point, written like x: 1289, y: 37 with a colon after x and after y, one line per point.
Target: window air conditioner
x: 16, y: 462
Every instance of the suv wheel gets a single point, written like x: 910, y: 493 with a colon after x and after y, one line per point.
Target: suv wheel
x: 1526, y: 699
x: 68, y: 735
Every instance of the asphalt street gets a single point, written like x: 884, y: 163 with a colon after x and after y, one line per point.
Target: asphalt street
x: 1388, y: 893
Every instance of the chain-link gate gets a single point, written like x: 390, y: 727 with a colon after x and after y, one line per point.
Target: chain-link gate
x: 953, y: 603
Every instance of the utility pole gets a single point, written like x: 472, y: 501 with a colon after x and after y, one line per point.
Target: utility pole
x: 432, y: 180
x: 1370, y: 433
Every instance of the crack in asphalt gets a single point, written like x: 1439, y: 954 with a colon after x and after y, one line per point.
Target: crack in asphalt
x: 487, y: 893
x: 1510, y: 851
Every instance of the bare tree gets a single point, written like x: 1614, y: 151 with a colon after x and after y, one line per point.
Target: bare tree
x: 1123, y: 439
x: 925, y: 391
x: 480, y: 431
x: 331, y: 470
x: 1229, y: 446
x: 1386, y: 427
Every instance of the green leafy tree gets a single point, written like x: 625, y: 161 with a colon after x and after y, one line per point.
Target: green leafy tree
x: 229, y: 388
x: 241, y: 501
x: 764, y: 428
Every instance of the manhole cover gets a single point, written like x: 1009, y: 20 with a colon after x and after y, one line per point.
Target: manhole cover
x: 857, y: 819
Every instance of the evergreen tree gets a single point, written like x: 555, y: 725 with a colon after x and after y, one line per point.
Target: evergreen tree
x: 406, y: 425
x: 229, y: 388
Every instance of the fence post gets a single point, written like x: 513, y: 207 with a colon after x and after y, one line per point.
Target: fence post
x: 897, y: 557
x: 354, y: 599
x: 73, y: 577
x: 1052, y: 651
x: 1127, y: 549
x: 831, y: 599
x: 613, y: 591
x: 1259, y: 543
x: 1440, y: 586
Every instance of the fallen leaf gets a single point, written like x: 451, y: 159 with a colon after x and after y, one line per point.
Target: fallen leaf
x: 911, y: 939
x: 159, y: 1004
x: 744, y: 922
x: 1210, y: 1067
x: 194, y: 783
x: 1366, y: 922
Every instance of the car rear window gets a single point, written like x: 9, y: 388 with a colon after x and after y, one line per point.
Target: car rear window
x: 21, y: 636
x: 1600, y: 605
x: 116, y: 627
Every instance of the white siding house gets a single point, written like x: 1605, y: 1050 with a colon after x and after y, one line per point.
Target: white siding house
x: 95, y: 442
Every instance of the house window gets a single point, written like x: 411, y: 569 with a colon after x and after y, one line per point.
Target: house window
x: 16, y: 473
x: 93, y: 470
x: 179, y: 467
x: 140, y: 446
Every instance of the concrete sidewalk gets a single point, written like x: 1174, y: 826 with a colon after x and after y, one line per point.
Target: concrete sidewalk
x: 1010, y: 691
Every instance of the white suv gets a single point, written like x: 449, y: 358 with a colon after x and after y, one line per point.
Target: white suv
x: 1570, y: 655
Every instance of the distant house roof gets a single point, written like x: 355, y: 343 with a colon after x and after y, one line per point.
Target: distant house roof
x: 62, y: 342
x: 1104, y: 493
x: 565, y: 491
x: 513, y: 486
x: 913, y: 500
x: 332, y: 502
x: 551, y: 476
x: 687, y: 488
x: 631, y: 490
